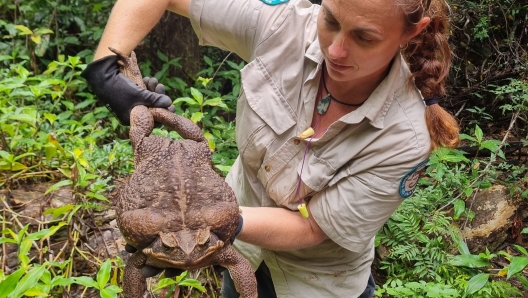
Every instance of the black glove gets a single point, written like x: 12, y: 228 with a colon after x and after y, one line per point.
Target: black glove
x: 149, y: 271
x: 118, y: 92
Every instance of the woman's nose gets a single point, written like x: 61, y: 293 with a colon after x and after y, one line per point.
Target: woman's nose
x: 338, y: 49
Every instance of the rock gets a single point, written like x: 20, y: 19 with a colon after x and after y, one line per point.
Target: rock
x: 494, y: 210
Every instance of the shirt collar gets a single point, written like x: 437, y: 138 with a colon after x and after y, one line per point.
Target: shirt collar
x: 378, y: 103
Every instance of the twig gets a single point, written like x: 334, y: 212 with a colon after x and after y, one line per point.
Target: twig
x: 220, y: 66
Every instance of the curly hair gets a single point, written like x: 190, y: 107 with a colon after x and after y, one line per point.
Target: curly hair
x: 429, y: 58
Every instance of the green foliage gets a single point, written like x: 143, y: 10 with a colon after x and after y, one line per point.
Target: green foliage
x: 420, y: 235
x: 180, y: 281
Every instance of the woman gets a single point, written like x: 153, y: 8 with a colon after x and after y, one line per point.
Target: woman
x: 331, y: 123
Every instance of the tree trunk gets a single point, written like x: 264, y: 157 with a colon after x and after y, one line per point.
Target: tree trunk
x: 174, y: 37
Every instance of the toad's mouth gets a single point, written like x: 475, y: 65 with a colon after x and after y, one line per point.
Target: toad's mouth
x: 162, y: 256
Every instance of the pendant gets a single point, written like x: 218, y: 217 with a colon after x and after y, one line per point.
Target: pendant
x: 322, y: 106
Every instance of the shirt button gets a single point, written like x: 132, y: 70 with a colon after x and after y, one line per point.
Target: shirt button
x: 296, y: 141
x: 267, y: 168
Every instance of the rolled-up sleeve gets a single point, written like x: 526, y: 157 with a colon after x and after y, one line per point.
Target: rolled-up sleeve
x: 353, y: 210
x: 234, y: 25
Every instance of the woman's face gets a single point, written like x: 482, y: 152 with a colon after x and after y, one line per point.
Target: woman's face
x: 359, y: 38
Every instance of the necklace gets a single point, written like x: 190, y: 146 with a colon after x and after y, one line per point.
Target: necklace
x: 323, y: 105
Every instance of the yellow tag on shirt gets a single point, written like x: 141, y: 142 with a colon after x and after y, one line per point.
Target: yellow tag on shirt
x: 304, y: 210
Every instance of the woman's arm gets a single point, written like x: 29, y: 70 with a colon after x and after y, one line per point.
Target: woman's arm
x: 131, y: 20
x: 279, y: 229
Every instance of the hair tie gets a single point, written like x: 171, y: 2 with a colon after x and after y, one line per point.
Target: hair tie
x: 431, y: 100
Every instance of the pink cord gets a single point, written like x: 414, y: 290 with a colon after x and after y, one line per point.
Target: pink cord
x: 304, y: 157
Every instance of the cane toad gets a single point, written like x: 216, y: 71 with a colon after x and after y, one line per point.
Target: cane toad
x: 175, y: 209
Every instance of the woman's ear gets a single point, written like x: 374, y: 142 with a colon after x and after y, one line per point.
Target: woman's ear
x: 424, y: 22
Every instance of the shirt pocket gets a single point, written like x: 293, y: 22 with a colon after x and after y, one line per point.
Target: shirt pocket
x: 262, y: 114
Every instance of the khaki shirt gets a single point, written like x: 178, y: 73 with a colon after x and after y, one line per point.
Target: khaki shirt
x: 352, y: 172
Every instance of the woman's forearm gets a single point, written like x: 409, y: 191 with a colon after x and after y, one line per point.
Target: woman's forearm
x: 131, y: 20
x: 279, y: 229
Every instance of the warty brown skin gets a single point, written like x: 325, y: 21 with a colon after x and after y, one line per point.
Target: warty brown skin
x: 175, y: 209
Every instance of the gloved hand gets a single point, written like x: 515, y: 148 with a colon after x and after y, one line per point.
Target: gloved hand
x: 118, y: 92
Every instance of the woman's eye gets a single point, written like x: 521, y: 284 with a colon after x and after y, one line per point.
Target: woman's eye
x: 331, y: 22
x: 365, y: 40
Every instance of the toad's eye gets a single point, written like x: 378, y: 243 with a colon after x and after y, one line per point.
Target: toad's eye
x: 165, y: 247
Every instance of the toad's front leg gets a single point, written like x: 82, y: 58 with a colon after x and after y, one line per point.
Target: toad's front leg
x: 134, y: 284
x: 240, y: 270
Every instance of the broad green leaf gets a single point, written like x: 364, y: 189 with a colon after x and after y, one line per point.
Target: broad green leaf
x: 107, y: 293
x: 45, y: 233
x: 477, y: 282
x: 210, y: 140
x: 7, y: 240
x: 56, y: 212
x: 197, y: 95
x: 62, y: 281
x: 478, y: 133
x: 523, y: 280
x: 74, y: 60
x: 6, y: 155
x: 26, y: 118
x: 28, y: 281
x: 208, y: 61
x: 162, y: 57
x: 164, y: 283
x: 460, y: 207
x: 50, y: 117
x: 464, y: 136
x: 517, y: 264
x: 217, y: 101
x: 14, y: 166
x: 9, y: 284
x: 46, y: 276
x: 25, y: 246
x: 192, y: 283
x: 58, y: 185
x: 224, y: 169
x: 100, y: 197
x: 104, y: 273
x: 522, y: 249
x: 470, y: 261
x: 43, y: 31
x: 113, y: 289
x: 197, y: 117
x: 468, y: 191
x: 86, y: 281
x: 36, y: 39
x: 23, y: 30
x: 40, y: 290
x: 85, y: 103
x: 24, y: 155
x: 187, y: 100
x: 50, y: 151
x: 491, y: 145
x: 21, y: 233
x: 524, y: 231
